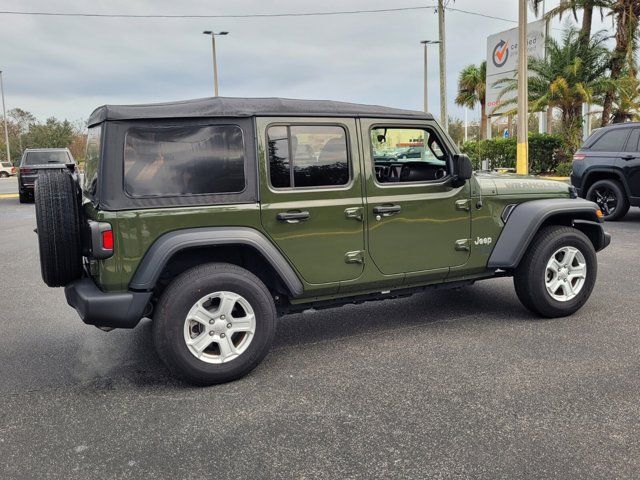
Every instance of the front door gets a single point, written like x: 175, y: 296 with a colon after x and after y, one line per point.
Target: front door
x: 311, y: 195
x: 419, y: 223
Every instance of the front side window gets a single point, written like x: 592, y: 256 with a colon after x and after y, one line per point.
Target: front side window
x: 633, y: 144
x: 187, y: 160
x: 307, y: 156
x: 407, y: 155
x: 612, y: 141
x: 92, y: 160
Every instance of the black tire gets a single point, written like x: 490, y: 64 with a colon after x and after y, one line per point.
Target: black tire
x: 4, y: 175
x: 58, y: 221
x: 183, y: 293
x: 531, y: 274
x: 610, y: 197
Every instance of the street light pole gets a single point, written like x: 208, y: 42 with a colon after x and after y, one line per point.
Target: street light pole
x: 522, y: 160
x: 215, y: 62
x: 4, y: 118
x: 443, y: 68
x: 426, y: 43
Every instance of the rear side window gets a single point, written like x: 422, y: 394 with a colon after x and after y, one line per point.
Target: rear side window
x: 307, y: 156
x: 45, y: 157
x: 92, y: 160
x: 189, y: 160
x: 611, y: 141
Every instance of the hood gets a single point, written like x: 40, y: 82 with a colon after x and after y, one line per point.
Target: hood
x: 512, y: 184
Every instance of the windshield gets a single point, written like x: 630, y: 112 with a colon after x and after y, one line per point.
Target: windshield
x: 44, y: 157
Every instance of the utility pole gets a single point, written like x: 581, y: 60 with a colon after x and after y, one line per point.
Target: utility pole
x: 466, y: 123
x: 443, y: 68
x: 522, y: 159
x: 4, y: 118
x: 215, y: 62
x: 426, y: 43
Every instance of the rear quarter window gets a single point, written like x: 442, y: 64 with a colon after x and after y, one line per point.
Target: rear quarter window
x: 186, y: 160
x: 92, y: 160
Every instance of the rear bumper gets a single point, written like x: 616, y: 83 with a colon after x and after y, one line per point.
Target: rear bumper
x: 115, y: 310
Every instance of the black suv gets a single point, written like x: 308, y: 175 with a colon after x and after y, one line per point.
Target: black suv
x: 606, y: 169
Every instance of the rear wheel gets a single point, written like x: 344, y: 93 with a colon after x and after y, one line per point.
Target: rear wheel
x: 214, y: 323
x: 557, y: 274
x: 4, y: 175
x: 610, y: 197
x: 58, y: 221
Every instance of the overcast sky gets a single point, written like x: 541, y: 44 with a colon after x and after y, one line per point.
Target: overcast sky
x: 65, y: 67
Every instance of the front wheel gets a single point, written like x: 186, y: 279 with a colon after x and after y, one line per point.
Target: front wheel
x: 214, y: 323
x: 557, y: 274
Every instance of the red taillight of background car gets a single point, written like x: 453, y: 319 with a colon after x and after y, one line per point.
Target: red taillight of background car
x: 579, y: 156
x: 107, y: 239
x: 13, y: 170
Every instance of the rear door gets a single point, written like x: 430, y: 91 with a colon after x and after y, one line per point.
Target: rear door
x: 630, y: 162
x: 311, y: 195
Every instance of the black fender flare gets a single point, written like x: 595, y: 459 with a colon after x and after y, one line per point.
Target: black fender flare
x: 526, y: 218
x: 590, y: 172
x: 170, y: 243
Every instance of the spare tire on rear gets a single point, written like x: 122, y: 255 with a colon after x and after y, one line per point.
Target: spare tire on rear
x: 58, y: 220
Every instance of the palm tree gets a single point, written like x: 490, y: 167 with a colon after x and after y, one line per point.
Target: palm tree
x: 626, y: 104
x: 587, y: 7
x: 625, y: 14
x: 472, y: 89
x: 570, y: 75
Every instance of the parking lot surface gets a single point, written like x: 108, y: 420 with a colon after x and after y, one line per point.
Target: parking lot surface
x: 447, y: 384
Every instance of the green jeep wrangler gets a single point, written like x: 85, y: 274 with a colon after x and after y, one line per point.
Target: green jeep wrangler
x: 213, y: 217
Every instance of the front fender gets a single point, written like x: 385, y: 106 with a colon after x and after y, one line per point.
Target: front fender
x: 525, y: 220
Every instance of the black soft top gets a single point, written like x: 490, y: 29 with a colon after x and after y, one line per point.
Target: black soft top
x: 248, y: 107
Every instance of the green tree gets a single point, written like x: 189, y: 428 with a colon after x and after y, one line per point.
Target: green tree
x: 570, y: 75
x: 472, y: 90
x: 585, y: 6
x: 51, y: 134
x: 625, y: 15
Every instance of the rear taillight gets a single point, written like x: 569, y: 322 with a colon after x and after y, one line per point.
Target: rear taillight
x: 579, y: 156
x: 25, y: 170
x: 107, y: 240
x: 13, y: 170
x: 102, y: 241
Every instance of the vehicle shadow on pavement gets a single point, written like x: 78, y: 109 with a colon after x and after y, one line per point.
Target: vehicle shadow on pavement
x: 490, y: 302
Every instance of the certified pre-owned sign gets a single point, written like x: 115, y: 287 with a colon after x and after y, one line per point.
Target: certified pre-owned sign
x: 502, y: 60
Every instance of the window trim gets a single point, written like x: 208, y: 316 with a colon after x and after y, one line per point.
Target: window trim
x: 345, y: 128
x: 127, y: 194
x: 606, y: 132
x: 448, y: 154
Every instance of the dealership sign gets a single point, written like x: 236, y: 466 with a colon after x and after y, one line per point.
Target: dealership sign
x: 502, y: 60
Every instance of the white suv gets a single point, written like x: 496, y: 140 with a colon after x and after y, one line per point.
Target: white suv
x: 6, y: 170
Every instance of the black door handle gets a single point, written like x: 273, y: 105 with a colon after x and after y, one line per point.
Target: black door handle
x: 292, y: 217
x: 386, y: 210
x: 629, y: 157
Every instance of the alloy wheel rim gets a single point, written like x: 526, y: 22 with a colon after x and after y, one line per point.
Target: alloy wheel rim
x: 606, y: 199
x: 219, y: 327
x: 565, y: 274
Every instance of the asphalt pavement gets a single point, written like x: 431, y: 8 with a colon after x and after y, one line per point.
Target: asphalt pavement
x: 444, y: 385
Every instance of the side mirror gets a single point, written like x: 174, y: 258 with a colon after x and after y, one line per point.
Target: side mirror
x: 462, y: 169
